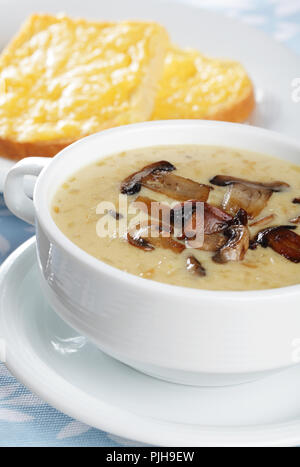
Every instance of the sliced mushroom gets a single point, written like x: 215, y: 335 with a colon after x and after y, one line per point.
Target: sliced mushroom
x: 261, y: 239
x: 296, y: 200
x: 236, y: 246
x: 157, y: 210
x: 173, y: 186
x: 195, y: 267
x: 213, y: 242
x: 132, y: 184
x: 282, y: 240
x: 250, y: 196
x: 183, y: 215
x: 150, y: 204
x: 215, y: 220
x: 263, y: 220
x: 295, y: 220
x: 253, y: 200
x: 137, y: 235
x: 139, y: 242
x: 224, y: 180
x: 154, y: 226
x: 241, y: 218
x: 142, y: 238
x: 167, y: 243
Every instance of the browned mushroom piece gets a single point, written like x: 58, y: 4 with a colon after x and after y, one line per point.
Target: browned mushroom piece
x: 186, y: 227
x: 261, y: 238
x: 173, y: 186
x: 139, y: 242
x: 250, y: 196
x: 167, y: 243
x: 225, y: 180
x: 295, y: 220
x: 195, y: 267
x: 159, y: 211
x: 253, y: 200
x: 237, y: 244
x: 263, y: 220
x: 142, y: 237
x: 241, y: 218
x: 214, y: 220
x: 132, y: 184
x: 212, y: 242
x: 282, y: 240
x: 296, y: 200
x: 184, y: 215
x: 155, y: 227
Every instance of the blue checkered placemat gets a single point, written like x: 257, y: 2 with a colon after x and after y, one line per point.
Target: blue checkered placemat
x: 25, y: 420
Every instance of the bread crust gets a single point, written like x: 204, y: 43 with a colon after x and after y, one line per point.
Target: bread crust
x: 238, y: 113
x: 16, y: 150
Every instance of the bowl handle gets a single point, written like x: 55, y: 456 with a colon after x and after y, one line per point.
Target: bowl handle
x: 16, y: 196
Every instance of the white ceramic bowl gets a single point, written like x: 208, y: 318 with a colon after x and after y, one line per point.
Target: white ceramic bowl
x: 179, y: 334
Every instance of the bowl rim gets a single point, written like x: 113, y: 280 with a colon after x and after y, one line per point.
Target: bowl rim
x: 45, y: 220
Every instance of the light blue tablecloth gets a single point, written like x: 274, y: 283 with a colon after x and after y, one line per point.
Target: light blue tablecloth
x: 24, y: 419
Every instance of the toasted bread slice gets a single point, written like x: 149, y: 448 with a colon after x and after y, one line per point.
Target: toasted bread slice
x: 195, y: 86
x: 62, y: 79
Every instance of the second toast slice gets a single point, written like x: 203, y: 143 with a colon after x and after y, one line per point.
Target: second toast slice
x: 195, y: 86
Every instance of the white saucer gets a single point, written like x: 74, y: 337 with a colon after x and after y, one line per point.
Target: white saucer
x: 271, y: 66
x: 65, y: 370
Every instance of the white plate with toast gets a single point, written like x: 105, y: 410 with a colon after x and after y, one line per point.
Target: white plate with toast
x: 272, y: 67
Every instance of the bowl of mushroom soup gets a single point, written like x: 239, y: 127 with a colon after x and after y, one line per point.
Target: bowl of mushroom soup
x: 173, y: 246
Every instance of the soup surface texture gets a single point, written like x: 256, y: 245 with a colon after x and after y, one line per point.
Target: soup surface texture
x: 74, y: 210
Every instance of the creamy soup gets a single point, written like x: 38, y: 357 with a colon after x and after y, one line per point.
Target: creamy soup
x: 74, y: 209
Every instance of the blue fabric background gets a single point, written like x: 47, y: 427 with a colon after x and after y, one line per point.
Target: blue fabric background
x: 25, y: 420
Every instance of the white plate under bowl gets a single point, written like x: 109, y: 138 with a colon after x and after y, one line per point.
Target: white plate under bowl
x: 64, y: 369
x: 271, y: 66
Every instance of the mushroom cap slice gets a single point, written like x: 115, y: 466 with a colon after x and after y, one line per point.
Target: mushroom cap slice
x: 139, y: 242
x: 241, y: 218
x: 195, y: 267
x: 215, y: 220
x: 252, y: 200
x: 155, y: 209
x: 212, y: 242
x: 167, y: 243
x: 133, y: 183
x: 143, y: 239
x: 261, y: 237
x: 225, y: 180
x: 236, y: 246
x: 248, y: 195
x: 176, y: 187
x: 282, y: 240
